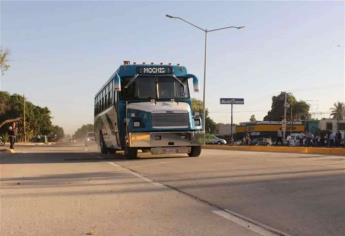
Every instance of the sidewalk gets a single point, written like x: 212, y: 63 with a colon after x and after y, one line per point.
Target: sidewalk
x: 305, y: 150
x: 6, y: 147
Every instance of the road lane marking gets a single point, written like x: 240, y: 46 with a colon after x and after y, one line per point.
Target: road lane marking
x: 234, y: 217
x: 137, y: 175
x: 249, y: 224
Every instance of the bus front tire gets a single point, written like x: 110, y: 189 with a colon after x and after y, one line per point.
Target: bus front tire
x: 131, y: 153
x: 195, y: 151
x: 103, y: 148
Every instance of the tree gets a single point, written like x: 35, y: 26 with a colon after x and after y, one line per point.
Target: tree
x: 57, y: 133
x: 252, y: 118
x: 4, y: 66
x: 83, y: 130
x: 338, y: 111
x: 197, y: 106
x: 298, y: 109
x: 37, y: 119
x: 4, y: 102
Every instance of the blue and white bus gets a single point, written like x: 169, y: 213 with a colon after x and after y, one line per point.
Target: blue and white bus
x: 148, y: 108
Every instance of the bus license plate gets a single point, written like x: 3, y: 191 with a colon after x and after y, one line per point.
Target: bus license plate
x: 170, y: 150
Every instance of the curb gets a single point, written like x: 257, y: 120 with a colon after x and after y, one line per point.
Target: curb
x: 303, y: 150
x: 7, y: 150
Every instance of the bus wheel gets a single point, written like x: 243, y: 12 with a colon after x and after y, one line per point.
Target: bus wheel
x: 195, y: 152
x: 111, y: 151
x: 145, y: 150
x: 131, y: 153
x: 104, y: 149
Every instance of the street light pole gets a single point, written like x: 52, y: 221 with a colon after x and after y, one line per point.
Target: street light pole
x: 24, y: 120
x: 204, y: 89
x: 206, y: 31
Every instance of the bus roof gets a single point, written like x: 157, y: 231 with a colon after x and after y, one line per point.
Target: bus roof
x: 130, y: 70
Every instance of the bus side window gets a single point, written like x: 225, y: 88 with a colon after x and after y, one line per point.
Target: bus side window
x: 111, y: 92
x: 101, y: 107
x: 106, y: 101
x: 94, y: 106
x: 97, y: 105
x: 107, y: 96
x: 103, y: 99
x: 109, y: 99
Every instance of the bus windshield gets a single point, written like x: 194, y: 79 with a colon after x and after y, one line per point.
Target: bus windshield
x: 156, y: 88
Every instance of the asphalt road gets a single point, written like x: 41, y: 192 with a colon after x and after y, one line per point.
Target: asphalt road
x: 76, y: 191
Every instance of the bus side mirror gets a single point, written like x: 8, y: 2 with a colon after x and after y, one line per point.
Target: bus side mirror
x: 195, y: 84
x: 195, y: 81
x: 117, y: 83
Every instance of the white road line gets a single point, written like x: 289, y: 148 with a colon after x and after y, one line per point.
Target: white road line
x: 236, y: 218
x: 137, y: 175
x: 250, y: 224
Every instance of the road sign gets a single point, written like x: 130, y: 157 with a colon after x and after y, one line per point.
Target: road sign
x: 232, y: 101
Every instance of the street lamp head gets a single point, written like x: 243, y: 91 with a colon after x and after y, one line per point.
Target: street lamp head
x: 240, y: 27
x: 169, y: 16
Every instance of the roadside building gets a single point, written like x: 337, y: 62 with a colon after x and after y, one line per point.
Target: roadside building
x: 332, y: 125
x: 267, y: 129
x: 224, y: 129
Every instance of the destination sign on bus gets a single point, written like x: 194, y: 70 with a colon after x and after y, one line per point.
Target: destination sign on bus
x: 155, y: 70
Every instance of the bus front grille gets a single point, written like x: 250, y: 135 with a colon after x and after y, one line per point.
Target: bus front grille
x: 170, y: 120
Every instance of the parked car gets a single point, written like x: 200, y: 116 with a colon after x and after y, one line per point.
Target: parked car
x: 212, y: 139
x: 261, y: 141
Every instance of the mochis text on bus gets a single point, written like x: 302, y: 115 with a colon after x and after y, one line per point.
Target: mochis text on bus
x: 148, y: 108
x: 155, y: 70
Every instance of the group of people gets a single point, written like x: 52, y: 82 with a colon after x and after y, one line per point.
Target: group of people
x: 334, y: 139
x: 331, y: 139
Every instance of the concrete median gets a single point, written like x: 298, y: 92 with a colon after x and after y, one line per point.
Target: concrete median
x: 306, y: 150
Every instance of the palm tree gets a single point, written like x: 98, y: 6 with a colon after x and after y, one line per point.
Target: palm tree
x: 4, y: 61
x: 338, y: 111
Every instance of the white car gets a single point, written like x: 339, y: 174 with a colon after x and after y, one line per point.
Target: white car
x: 294, y: 139
x: 212, y: 139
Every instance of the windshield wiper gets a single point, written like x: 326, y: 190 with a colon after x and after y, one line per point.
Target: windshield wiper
x: 131, y: 81
x: 179, y: 81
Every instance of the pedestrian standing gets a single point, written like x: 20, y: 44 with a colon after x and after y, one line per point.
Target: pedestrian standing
x: 11, y: 136
x: 338, y: 138
x: 279, y: 137
x: 332, y: 139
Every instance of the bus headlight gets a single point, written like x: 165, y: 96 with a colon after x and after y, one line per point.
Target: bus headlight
x: 197, y: 121
x: 136, y: 124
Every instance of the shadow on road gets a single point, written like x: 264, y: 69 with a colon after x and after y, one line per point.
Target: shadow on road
x: 72, y: 157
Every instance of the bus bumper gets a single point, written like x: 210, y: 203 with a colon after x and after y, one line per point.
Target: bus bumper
x: 165, y: 139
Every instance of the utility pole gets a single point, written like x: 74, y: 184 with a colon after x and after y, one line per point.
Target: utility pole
x: 231, y: 123
x: 284, y: 120
x: 291, y: 119
x: 24, y: 125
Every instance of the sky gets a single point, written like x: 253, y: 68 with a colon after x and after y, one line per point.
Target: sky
x: 62, y: 52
